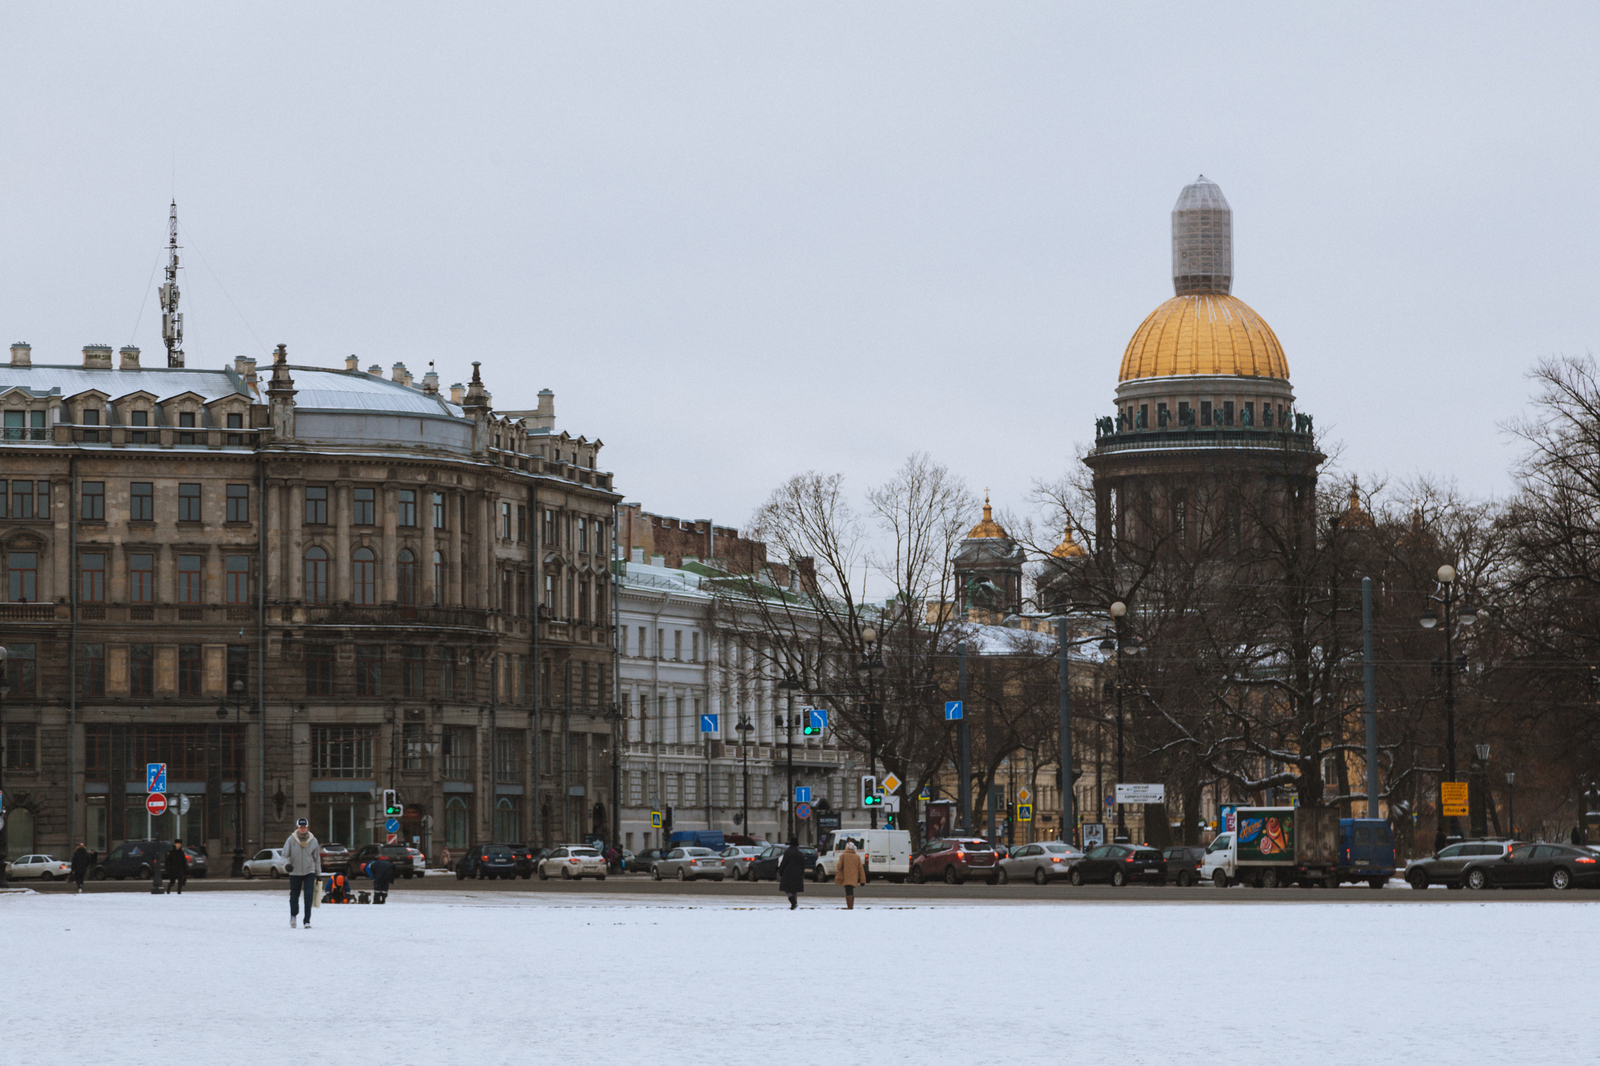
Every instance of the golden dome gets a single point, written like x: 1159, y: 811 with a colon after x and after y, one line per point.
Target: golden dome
x: 1069, y: 548
x: 1354, y: 517
x: 988, y: 527
x: 1204, y: 333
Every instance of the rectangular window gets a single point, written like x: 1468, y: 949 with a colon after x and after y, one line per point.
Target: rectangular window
x: 14, y: 425
x: 22, y: 669
x: 238, y: 503
x: 1205, y: 412
x: 91, y: 669
x: 316, y: 505
x: 238, y: 670
x: 408, y: 507
x: 140, y: 420
x: 141, y: 502
x: 583, y: 536
x: 1185, y: 413
x: 457, y: 753
x: 369, y: 669
x: 341, y: 752
x: 677, y: 645
x: 188, y: 669
x: 1249, y: 414
x: 411, y: 749
x: 411, y: 671
x: 188, y: 503
x: 42, y: 510
x: 447, y: 673
x: 438, y: 510
x: 522, y: 524
x: 141, y: 578
x: 1227, y: 412
x: 319, y: 669
x: 186, y: 421
x: 505, y: 521
x: 190, y: 579
x: 22, y: 573
x: 508, y: 756
x: 22, y: 746
x: 366, y: 507
x: 94, y: 502
x: 235, y: 421
x: 5, y: 497
x: 694, y: 655
x: 91, y: 418
x: 92, y: 578
x: 238, y: 580
x: 550, y: 528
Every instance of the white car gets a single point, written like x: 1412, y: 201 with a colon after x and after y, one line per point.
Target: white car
x: 572, y: 861
x: 268, y: 862
x: 42, y: 867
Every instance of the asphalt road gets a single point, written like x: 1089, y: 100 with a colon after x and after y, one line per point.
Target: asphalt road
x: 642, y: 887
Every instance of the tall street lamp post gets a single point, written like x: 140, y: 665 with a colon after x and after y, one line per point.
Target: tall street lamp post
x: 1480, y: 809
x: 5, y: 689
x: 237, y: 691
x: 1511, y: 809
x: 871, y: 664
x: 744, y: 727
x: 1460, y: 614
x: 1114, y: 641
x: 786, y: 722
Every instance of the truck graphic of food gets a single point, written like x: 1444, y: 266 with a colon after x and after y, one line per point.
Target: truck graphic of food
x: 1266, y: 836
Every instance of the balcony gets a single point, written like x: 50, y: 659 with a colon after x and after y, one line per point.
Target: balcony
x: 391, y: 614
x: 32, y: 612
x: 1189, y: 437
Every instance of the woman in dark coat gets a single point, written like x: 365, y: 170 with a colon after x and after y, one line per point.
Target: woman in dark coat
x: 177, y: 867
x: 792, y: 873
x: 81, y: 861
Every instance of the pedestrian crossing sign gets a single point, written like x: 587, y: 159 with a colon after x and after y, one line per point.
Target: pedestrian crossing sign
x: 1024, y: 812
x: 655, y: 819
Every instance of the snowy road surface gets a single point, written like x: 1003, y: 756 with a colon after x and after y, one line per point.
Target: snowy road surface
x: 220, y: 978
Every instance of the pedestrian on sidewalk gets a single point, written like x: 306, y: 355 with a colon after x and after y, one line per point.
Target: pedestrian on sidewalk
x: 302, y: 859
x: 444, y: 856
x: 81, y: 862
x: 792, y: 872
x: 177, y: 871
x: 381, y: 871
x: 850, y: 872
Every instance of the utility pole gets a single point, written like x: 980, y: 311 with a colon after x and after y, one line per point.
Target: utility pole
x: 1068, y: 825
x: 171, y: 317
x: 965, y: 781
x: 1369, y: 683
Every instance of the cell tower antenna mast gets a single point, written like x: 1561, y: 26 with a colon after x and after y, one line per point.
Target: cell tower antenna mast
x: 171, y: 318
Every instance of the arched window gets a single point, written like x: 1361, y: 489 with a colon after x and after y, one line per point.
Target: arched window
x: 363, y: 574
x: 507, y: 824
x: 438, y: 578
x: 455, y: 822
x: 406, y: 571
x: 316, y: 576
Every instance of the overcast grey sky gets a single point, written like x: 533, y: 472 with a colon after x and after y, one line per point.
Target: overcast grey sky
x: 741, y: 241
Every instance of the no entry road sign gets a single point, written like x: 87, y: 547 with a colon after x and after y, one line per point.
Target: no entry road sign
x: 802, y: 811
x: 156, y: 804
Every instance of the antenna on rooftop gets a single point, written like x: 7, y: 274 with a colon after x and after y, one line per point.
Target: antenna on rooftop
x: 171, y: 319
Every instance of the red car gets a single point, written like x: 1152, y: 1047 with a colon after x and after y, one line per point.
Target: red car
x: 955, y: 859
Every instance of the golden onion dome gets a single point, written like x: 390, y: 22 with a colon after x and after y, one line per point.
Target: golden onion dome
x: 1204, y: 333
x: 1069, y: 548
x: 988, y: 528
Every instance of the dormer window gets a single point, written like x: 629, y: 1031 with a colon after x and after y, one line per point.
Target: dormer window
x: 186, y: 421
x: 91, y: 417
x: 140, y: 420
x: 235, y: 421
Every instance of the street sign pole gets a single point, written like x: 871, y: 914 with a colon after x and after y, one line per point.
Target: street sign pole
x: 964, y: 783
x: 1067, y: 791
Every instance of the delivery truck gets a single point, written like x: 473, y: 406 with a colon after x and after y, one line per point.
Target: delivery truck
x: 1273, y: 846
x: 886, y: 853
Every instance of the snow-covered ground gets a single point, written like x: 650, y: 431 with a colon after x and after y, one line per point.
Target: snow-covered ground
x: 219, y: 977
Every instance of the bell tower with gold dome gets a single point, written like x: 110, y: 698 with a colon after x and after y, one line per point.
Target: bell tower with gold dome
x: 1204, y: 407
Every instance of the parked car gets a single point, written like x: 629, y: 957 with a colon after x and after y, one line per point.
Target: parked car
x: 689, y: 864
x: 1446, y: 866
x: 1040, y: 863
x: 644, y: 860
x: 627, y: 857
x: 524, y: 854
x: 335, y: 859
x: 131, y: 858
x: 1183, y: 864
x: 954, y: 859
x: 487, y: 860
x: 419, y: 861
x: 765, y: 865
x: 198, y: 866
x: 1558, y: 866
x: 736, y: 859
x: 1119, y: 864
x: 405, y: 865
x: 573, y: 861
x: 1002, y: 851
x: 40, y: 867
x: 268, y: 862
x: 1366, y: 852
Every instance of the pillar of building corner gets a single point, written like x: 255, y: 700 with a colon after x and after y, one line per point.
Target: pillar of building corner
x: 341, y: 542
x: 388, y: 567
x: 430, y: 595
x: 294, y: 539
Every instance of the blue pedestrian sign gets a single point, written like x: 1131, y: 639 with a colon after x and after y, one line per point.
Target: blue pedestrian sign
x: 155, y: 777
x: 802, y: 793
x: 392, y: 825
x: 926, y: 794
x: 708, y: 723
x: 819, y: 718
x: 952, y: 711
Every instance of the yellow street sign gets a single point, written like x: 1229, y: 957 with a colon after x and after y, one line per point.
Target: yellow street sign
x: 1453, y: 799
x: 1024, y: 794
x: 890, y: 782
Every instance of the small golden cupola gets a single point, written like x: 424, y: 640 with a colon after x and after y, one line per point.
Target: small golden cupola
x: 1069, y: 548
x: 1354, y: 517
x: 988, y: 528
x: 988, y: 569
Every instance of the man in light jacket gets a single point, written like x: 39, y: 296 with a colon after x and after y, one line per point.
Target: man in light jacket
x: 303, y: 859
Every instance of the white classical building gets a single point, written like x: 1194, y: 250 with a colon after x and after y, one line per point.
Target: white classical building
x: 684, y: 686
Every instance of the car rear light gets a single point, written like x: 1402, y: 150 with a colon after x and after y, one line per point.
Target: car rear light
x: 574, y: 860
x: 1128, y: 859
x: 1055, y: 858
x: 961, y: 854
x: 1583, y: 860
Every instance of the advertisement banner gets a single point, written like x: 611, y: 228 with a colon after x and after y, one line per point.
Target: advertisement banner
x: 1265, y: 836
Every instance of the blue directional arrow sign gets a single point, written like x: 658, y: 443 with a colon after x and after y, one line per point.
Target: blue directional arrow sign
x: 392, y: 825
x: 802, y: 794
x: 952, y: 711
x: 155, y: 777
x: 819, y: 718
x: 708, y: 723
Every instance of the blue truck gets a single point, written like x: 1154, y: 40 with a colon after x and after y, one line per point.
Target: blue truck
x: 698, y: 838
x: 1366, y: 852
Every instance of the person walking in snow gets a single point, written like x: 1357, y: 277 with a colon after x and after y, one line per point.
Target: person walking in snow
x: 444, y: 857
x: 792, y: 873
x: 81, y: 862
x: 850, y: 872
x: 177, y: 871
x: 302, y: 858
x: 381, y: 871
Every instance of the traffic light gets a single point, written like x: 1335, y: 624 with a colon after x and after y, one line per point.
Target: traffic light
x: 888, y: 819
x: 869, y: 791
x: 813, y: 726
x: 391, y: 803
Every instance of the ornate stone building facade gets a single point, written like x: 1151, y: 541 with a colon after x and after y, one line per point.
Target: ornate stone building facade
x: 298, y: 591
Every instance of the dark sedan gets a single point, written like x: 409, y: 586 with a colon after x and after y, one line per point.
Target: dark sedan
x: 1558, y: 866
x: 1183, y: 864
x: 487, y: 860
x: 197, y: 861
x: 641, y: 863
x: 404, y: 862
x: 1119, y: 864
x: 526, y: 855
x: 765, y: 865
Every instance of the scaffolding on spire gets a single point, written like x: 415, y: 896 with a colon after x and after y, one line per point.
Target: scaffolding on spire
x: 171, y: 318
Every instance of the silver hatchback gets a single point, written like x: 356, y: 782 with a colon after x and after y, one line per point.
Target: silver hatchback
x: 689, y: 864
x: 1040, y: 863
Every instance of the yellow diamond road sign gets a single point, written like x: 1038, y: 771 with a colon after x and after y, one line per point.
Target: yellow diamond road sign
x: 1024, y: 794
x: 890, y: 783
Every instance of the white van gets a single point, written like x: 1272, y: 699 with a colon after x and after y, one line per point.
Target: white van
x: 886, y: 852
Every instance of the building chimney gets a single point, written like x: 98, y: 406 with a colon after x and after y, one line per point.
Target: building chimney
x: 97, y: 357
x: 352, y: 363
x: 21, y: 354
x: 375, y: 370
x: 638, y: 556
x: 544, y: 416
x: 658, y: 560
x: 430, y: 382
x: 398, y: 373
x: 130, y: 357
x: 458, y: 393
